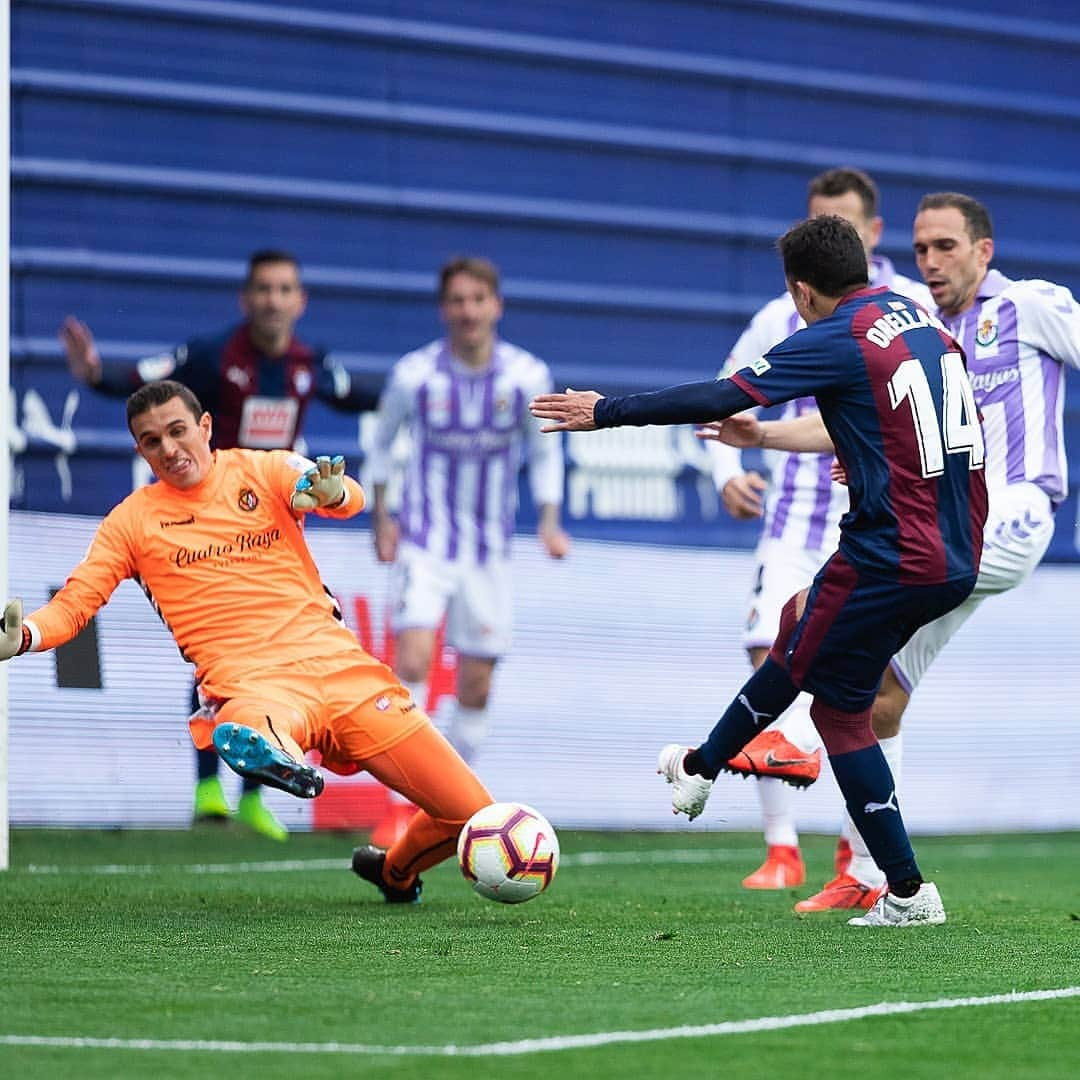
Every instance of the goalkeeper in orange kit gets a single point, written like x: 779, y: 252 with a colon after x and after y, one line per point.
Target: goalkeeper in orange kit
x: 218, y: 547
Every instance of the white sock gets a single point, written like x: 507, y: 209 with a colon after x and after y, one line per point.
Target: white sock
x: 893, y: 749
x: 775, y: 796
x: 468, y: 726
x: 779, y: 821
x: 418, y: 691
x: 797, y: 727
x: 863, y: 868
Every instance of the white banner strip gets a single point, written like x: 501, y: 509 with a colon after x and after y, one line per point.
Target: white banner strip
x: 618, y: 649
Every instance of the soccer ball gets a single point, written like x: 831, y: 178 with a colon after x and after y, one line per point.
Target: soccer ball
x: 509, y: 852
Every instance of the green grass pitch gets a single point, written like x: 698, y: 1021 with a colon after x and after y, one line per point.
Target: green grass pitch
x: 181, y: 937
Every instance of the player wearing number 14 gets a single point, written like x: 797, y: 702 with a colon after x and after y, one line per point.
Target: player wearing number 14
x: 894, y: 396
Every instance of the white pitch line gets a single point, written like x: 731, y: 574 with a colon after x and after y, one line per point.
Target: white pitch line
x: 581, y: 858
x: 552, y: 1043
x: 656, y: 856
x: 282, y: 866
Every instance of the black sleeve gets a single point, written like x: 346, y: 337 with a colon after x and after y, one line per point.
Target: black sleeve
x: 118, y: 379
x: 688, y: 403
x: 197, y: 364
x: 345, y: 390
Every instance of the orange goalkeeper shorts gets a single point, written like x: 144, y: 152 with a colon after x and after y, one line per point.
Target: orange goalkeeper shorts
x: 348, y: 714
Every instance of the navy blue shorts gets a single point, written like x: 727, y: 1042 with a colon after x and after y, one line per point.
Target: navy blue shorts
x: 852, y: 626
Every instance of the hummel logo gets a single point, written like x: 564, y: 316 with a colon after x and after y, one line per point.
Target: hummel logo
x: 889, y: 804
x: 760, y: 718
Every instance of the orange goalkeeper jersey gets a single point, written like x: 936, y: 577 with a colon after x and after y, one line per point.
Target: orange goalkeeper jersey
x: 226, y: 566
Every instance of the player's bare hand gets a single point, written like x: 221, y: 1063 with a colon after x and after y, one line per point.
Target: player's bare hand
x: 556, y: 541
x: 322, y: 486
x: 572, y: 411
x: 82, y: 355
x: 386, y: 532
x: 743, y: 496
x: 837, y: 473
x: 742, y: 430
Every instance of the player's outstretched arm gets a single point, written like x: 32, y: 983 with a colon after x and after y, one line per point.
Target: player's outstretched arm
x: 82, y: 354
x: 572, y: 411
x: 345, y: 390
x: 743, y: 430
x: 803, y: 435
x: 14, y: 635
x: 322, y: 487
x: 687, y: 403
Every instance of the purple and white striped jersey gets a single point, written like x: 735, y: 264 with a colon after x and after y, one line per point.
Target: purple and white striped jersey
x: 1017, y: 337
x: 803, y: 506
x: 470, y: 432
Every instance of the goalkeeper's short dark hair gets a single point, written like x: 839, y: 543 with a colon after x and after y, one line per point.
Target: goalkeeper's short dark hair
x: 157, y: 393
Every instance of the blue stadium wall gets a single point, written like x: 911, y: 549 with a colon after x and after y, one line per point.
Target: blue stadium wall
x: 627, y: 164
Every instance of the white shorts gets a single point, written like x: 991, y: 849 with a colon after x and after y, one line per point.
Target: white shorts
x: 476, y: 600
x: 1018, y: 531
x: 782, y: 570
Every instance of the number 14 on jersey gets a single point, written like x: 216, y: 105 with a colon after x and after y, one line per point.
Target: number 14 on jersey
x: 960, y: 431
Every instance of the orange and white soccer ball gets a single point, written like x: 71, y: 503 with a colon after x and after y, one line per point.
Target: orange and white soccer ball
x: 509, y: 852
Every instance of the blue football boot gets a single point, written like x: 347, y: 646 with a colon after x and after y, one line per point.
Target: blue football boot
x: 247, y: 752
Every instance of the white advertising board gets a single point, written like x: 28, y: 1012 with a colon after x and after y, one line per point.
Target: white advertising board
x: 618, y: 649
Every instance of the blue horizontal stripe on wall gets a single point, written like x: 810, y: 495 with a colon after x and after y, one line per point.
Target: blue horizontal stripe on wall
x: 554, y: 293
x: 476, y: 39
x: 1006, y: 29
x: 257, y: 188
x: 940, y: 98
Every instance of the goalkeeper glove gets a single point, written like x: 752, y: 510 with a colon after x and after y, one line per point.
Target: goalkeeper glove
x: 14, y: 635
x: 322, y: 486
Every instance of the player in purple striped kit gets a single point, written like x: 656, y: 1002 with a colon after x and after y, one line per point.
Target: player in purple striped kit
x: 895, y: 399
x: 800, y: 528
x: 464, y: 399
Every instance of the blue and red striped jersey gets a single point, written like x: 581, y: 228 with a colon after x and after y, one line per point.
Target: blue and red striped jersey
x: 892, y: 388
x: 257, y: 401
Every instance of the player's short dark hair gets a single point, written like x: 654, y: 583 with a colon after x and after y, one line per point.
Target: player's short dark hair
x: 825, y: 252
x: 482, y: 269
x: 267, y: 256
x: 976, y: 216
x: 157, y: 393
x: 834, y: 182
